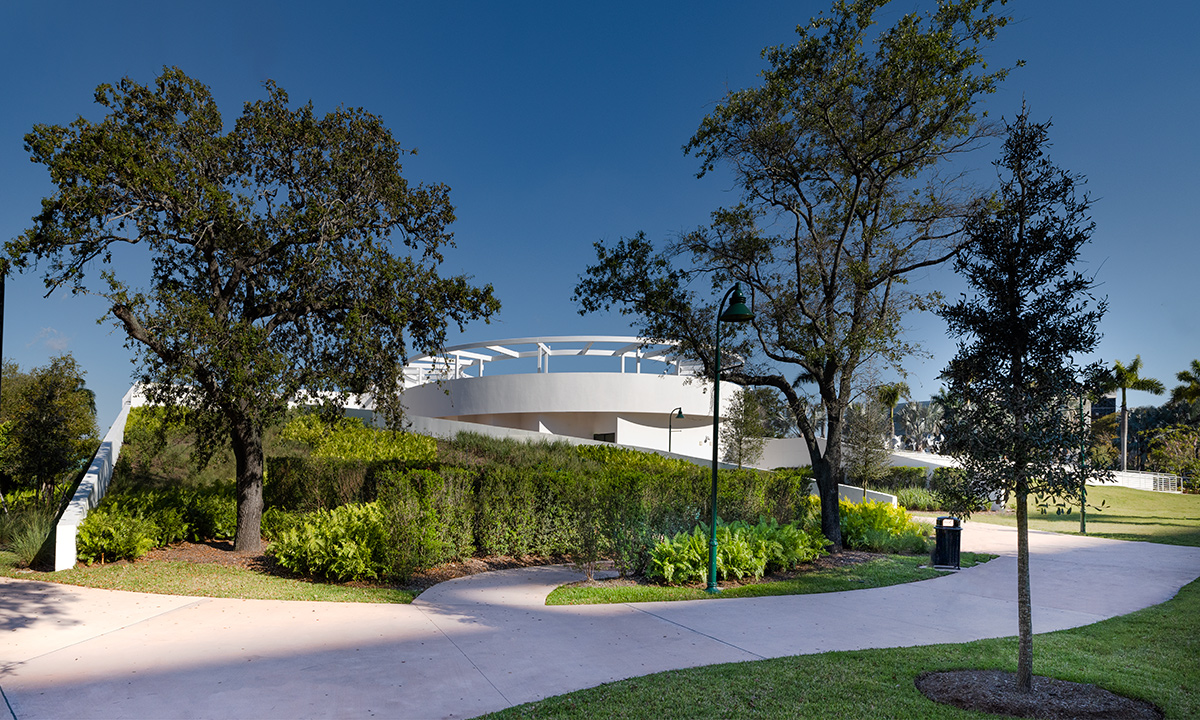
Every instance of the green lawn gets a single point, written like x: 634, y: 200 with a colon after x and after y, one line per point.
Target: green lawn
x: 1150, y: 654
x: 887, y: 570
x: 205, y: 580
x: 1129, y: 515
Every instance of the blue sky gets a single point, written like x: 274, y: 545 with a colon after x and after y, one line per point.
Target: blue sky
x: 560, y: 124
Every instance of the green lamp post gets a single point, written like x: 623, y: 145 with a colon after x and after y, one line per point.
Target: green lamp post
x: 672, y: 417
x: 736, y: 313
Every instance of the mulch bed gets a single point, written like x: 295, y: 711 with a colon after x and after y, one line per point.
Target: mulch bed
x: 995, y: 691
x: 842, y: 559
x: 220, y: 552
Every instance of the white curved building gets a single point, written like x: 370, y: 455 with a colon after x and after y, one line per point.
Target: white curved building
x: 613, y: 388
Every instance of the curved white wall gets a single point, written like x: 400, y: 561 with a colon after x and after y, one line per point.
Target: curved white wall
x: 635, y: 408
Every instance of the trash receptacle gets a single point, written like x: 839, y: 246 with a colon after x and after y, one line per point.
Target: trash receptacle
x: 947, y: 541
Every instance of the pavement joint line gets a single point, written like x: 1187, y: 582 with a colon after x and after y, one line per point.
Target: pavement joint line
x: 7, y: 704
x: 695, y: 631
x: 482, y: 674
x: 198, y: 601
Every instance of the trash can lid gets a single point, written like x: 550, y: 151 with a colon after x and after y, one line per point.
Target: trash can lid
x: 953, y: 519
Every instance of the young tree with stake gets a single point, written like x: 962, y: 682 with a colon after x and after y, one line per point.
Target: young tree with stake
x: 1015, y: 378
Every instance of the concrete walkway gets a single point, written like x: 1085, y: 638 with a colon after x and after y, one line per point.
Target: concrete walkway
x: 486, y: 642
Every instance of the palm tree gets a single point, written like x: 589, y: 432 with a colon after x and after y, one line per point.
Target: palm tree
x: 890, y: 396
x: 1189, y: 391
x: 1128, y: 378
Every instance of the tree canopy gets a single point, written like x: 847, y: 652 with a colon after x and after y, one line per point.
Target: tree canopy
x: 289, y: 258
x: 1014, y: 420
x: 1129, y: 377
x: 839, y: 155
x: 47, y: 426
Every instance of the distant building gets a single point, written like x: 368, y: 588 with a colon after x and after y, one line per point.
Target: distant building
x: 609, y: 388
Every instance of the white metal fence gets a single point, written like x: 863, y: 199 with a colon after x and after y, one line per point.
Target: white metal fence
x: 1159, y: 482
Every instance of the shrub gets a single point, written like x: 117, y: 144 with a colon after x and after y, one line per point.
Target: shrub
x: 742, y: 549
x: 618, y: 458
x: 900, y: 477
x: 524, y: 511
x: 882, y: 527
x: 276, y: 521
x: 917, y: 498
x: 351, y: 542
x: 109, y: 534
x: 587, y: 506
x: 307, y: 484
x: 25, y: 529
x: 350, y: 439
x: 429, y: 515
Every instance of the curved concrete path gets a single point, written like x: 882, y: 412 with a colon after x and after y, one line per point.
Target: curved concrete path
x: 486, y: 642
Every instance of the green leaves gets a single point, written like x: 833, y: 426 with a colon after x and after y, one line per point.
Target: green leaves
x: 290, y: 257
x: 1015, y: 384
x: 742, y: 550
x: 51, y: 432
x: 351, y: 542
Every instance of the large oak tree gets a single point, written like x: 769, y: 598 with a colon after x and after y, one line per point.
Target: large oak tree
x: 840, y: 155
x: 289, y: 259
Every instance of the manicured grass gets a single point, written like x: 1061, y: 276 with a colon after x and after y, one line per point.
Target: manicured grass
x: 1150, y: 654
x: 888, y: 570
x: 1129, y: 515
x: 205, y: 580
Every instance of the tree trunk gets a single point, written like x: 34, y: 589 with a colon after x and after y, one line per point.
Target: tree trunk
x: 827, y: 486
x: 1124, y: 436
x: 1024, y: 604
x: 248, y: 450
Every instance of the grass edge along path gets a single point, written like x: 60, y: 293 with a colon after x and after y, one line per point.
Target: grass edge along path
x: 164, y: 577
x: 212, y: 580
x: 880, y: 572
x: 1149, y: 655
x: 1140, y: 515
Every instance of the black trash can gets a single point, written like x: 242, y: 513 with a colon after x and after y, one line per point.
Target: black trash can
x: 947, y: 541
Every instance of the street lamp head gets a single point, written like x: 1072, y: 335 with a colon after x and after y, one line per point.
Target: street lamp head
x: 680, y: 415
x: 737, y: 311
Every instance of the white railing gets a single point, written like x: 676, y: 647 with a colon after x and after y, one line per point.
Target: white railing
x: 460, y: 361
x: 1159, y: 482
x: 91, y: 489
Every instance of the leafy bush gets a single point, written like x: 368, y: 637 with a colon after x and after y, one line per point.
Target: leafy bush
x: 917, y: 498
x: 276, y: 521
x: 618, y: 458
x: 742, y: 549
x: 351, y: 542
x: 882, y: 527
x: 346, y: 463
x: 350, y: 439
x: 524, y: 511
x: 429, y: 515
x: 900, y: 477
x: 306, y: 484
x: 196, y: 514
x: 109, y: 534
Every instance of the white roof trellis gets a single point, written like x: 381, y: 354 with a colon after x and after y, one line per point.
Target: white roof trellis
x: 469, y: 360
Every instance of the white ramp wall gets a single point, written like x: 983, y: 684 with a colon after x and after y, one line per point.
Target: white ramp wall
x: 91, y: 489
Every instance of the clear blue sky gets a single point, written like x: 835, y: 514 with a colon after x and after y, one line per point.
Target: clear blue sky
x: 559, y: 124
